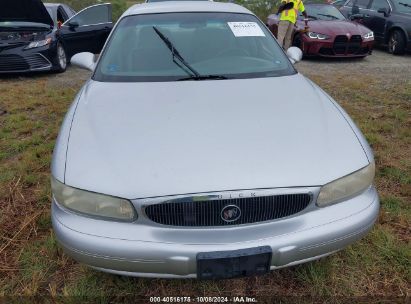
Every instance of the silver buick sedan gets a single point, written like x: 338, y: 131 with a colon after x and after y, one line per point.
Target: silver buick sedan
x: 196, y: 150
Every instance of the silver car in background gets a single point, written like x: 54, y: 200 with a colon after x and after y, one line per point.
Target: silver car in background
x: 196, y: 150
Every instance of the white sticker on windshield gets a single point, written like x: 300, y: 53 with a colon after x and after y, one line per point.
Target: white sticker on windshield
x: 245, y: 29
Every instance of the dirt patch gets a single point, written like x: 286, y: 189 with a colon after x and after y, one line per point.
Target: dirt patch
x: 380, y: 64
x: 71, y: 78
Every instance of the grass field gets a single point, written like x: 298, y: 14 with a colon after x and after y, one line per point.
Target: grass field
x: 31, y: 263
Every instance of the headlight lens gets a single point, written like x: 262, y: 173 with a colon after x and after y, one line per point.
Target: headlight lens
x: 93, y: 204
x: 39, y: 43
x: 314, y: 35
x: 369, y: 35
x: 346, y: 186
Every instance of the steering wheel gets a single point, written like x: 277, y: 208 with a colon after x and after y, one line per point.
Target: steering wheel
x: 233, y: 51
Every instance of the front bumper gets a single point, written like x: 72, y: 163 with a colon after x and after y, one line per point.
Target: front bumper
x: 325, y: 48
x: 161, y: 251
x: 20, y: 60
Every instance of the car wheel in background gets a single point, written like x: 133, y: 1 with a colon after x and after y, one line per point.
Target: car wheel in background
x: 396, y: 43
x: 61, y: 59
x: 297, y: 41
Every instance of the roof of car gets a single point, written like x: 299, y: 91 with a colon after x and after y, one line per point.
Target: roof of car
x: 185, y: 6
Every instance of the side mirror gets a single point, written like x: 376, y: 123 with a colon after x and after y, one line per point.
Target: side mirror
x: 294, y: 54
x: 383, y: 11
x: 355, y: 10
x: 84, y: 60
x: 73, y: 24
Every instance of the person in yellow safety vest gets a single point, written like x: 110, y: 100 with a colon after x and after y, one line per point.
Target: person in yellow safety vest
x: 289, y: 13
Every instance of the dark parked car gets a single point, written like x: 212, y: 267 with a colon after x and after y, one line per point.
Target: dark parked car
x: 43, y: 37
x: 330, y: 34
x: 389, y: 19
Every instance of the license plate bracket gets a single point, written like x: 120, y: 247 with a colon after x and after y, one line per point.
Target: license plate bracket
x: 234, y: 263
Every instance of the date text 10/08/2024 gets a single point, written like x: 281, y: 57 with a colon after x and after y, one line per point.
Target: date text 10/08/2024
x: 240, y: 299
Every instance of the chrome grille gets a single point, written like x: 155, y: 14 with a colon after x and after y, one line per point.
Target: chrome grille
x: 37, y: 61
x: 208, y: 213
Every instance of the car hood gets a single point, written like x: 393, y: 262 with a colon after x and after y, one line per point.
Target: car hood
x: 334, y: 28
x: 136, y: 140
x: 24, y: 11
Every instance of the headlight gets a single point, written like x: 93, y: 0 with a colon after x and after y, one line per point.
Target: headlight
x: 346, y: 186
x: 93, y: 204
x: 314, y: 35
x: 39, y: 43
x: 369, y: 35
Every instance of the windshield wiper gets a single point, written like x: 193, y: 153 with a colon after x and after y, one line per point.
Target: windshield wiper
x: 312, y: 17
x: 204, y: 77
x: 404, y: 4
x: 192, y: 72
x: 330, y: 16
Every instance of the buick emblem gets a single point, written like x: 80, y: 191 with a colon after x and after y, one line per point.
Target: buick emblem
x: 230, y: 213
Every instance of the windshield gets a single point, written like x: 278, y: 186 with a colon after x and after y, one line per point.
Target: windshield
x: 403, y: 6
x: 174, y: 46
x: 323, y: 12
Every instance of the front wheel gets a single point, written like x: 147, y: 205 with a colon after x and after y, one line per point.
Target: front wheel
x: 396, y: 43
x: 61, y: 59
x: 297, y: 41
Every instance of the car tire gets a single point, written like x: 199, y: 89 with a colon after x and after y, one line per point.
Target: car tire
x: 61, y: 58
x: 396, y: 43
x: 297, y: 41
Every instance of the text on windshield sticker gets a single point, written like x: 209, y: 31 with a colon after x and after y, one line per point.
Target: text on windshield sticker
x: 246, y: 29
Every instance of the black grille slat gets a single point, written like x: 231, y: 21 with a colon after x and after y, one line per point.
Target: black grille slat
x: 13, y: 63
x: 208, y: 213
x: 354, y: 45
x: 167, y: 212
x: 271, y: 210
x: 344, y: 45
x: 295, y: 206
x: 264, y: 215
x: 340, y: 44
x: 19, y: 63
x: 279, y: 211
